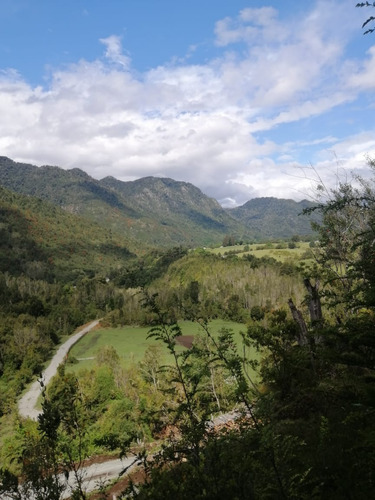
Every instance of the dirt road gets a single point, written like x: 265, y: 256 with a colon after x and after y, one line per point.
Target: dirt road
x: 27, y: 404
x: 97, y: 472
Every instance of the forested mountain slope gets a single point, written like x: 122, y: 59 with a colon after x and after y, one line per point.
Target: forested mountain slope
x: 42, y: 241
x: 301, y: 370
x: 73, y: 190
x: 274, y: 218
x: 155, y: 211
x: 177, y: 205
x: 54, y: 276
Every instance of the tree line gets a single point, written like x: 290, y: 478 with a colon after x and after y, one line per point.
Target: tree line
x: 306, y: 422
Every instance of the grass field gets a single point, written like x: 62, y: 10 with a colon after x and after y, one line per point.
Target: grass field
x: 267, y: 250
x: 131, y: 342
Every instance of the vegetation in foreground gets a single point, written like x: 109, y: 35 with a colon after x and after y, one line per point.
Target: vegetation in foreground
x: 307, y: 425
x: 307, y: 428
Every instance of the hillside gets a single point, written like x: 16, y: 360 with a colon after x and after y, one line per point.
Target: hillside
x: 155, y: 212
x: 274, y: 218
x: 180, y: 209
x: 44, y: 242
x: 294, y: 360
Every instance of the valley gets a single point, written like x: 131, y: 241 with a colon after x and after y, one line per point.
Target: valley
x: 200, y: 313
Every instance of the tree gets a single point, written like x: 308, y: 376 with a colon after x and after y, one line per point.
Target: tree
x: 371, y: 19
x: 229, y: 240
x: 52, y: 451
x: 64, y: 422
x: 308, y: 427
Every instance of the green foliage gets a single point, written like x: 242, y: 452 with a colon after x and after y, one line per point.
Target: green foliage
x: 370, y: 19
x: 150, y: 211
x: 229, y: 240
x: 219, y: 476
x: 273, y: 218
x: 309, y: 424
x: 153, y: 211
x: 34, y: 315
x: 43, y: 242
x: 51, y: 449
x: 228, y: 288
x: 306, y: 424
x: 256, y: 313
x: 146, y: 269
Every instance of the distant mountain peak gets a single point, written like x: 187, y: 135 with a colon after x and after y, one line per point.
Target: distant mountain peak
x: 156, y: 211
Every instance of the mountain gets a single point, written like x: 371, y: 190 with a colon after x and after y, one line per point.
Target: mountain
x: 274, y: 217
x: 73, y: 190
x: 152, y: 211
x: 180, y: 210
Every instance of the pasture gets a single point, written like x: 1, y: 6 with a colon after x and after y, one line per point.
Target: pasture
x: 267, y: 250
x: 131, y: 342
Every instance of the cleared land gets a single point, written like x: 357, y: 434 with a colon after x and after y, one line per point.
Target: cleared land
x: 131, y: 342
x: 268, y: 250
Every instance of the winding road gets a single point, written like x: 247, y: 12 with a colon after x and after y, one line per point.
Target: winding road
x: 97, y: 472
x: 27, y: 404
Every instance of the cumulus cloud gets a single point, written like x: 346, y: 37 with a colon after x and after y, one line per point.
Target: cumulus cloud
x: 206, y: 124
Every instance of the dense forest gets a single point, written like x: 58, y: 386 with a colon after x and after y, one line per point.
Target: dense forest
x: 301, y: 378
x: 155, y: 212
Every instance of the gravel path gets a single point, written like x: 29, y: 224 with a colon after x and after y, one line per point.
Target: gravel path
x: 26, y: 405
x: 99, y: 472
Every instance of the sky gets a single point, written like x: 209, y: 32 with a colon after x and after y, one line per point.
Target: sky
x: 240, y: 98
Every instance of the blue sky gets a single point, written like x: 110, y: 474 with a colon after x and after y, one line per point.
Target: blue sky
x: 240, y: 98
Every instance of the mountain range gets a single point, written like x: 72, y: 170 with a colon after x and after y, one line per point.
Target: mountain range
x: 153, y: 211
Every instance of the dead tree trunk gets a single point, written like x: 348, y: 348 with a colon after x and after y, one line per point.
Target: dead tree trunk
x: 298, y: 318
x: 304, y: 339
x: 316, y: 317
x: 315, y: 307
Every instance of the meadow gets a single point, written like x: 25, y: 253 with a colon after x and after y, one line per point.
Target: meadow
x: 267, y: 250
x: 131, y: 343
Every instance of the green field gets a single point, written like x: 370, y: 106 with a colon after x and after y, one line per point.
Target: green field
x: 266, y: 250
x: 131, y: 342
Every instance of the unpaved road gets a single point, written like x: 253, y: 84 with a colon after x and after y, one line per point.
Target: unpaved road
x: 27, y: 404
x: 92, y: 477
x: 96, y: 473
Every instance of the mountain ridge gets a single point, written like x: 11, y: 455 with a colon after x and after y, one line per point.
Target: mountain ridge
x: 275, y: 217
x: 155, y: 211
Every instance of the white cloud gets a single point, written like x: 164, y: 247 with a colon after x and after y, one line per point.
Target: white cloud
x: 198, y: 123
x: 114, y: 51
x: 250, y: 25
x: 364, y: 77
